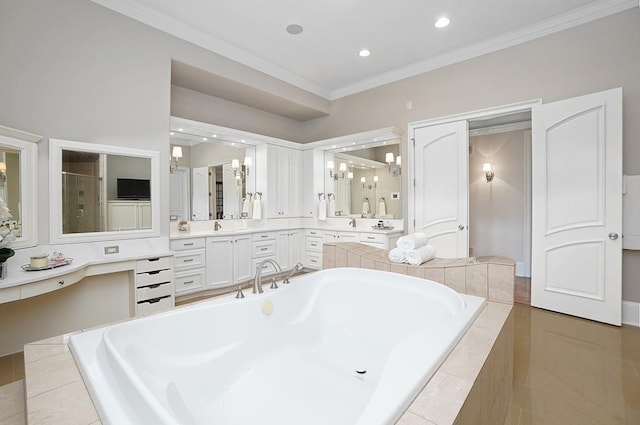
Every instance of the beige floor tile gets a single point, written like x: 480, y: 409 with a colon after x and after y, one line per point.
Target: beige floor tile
x: 11, y: 400
x: 513, y: 415
x: 53, y: 372
x: 18, y: 419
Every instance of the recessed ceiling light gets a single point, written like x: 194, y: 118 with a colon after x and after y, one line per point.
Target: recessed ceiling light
x: 442, y: 22
x: 171, y: 133
x: 294, y: 29
x: 204, y: 138
x: 214, y: 135
x: 180, y: 129
x: 364, y: 53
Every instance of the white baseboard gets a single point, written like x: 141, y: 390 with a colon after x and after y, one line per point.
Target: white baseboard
x: 631, y: 313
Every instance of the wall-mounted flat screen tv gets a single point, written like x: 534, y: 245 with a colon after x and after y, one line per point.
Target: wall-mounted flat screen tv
x: 133, y: 189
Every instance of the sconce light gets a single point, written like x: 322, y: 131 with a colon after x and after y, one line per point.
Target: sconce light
x: 176, y: 154
x: 350, y: 175
x: 342, y: 168
x: 363, y: 180
x: 240, y: 173
x: 389, y: 159
x: 247, y: 164
x: 3, y: 171
x: 486, y: 167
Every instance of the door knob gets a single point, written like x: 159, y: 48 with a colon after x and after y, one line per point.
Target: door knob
x: 460, y: 227
x: 613, y: 236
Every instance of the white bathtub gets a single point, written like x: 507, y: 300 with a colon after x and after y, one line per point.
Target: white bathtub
x: 339, y: 346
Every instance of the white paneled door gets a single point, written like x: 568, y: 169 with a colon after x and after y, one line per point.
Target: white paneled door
x: 441, y: 200
x: 577, y: 206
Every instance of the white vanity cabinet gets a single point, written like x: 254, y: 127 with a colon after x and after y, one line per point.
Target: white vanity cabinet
x: 228, y: 260
x: 128, y: 215
x: 288, y: 248
x: 313, y: 248
x: 332, y: 236
x: 154, y: 289
x: 263, y: 246
x: 284, y: 182
x: 190, y: 265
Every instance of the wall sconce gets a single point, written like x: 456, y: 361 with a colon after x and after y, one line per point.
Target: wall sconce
x: 176, y: 154
x: 486, y: 167
x: 247, y: 164
x: 350, y: 175
x: 239, y: 173
x: 390, y: 160
x: 3, y: 171
x: 363, y: 180
x: 342, y: 168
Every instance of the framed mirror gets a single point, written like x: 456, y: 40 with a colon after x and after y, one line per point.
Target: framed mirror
x: 364, y: 180
x: 101, y: 192
x: 18, y: 190
x: 212, y: 178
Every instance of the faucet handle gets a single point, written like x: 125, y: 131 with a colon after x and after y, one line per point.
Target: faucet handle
x: 239, y: 294
x: 274, y: 285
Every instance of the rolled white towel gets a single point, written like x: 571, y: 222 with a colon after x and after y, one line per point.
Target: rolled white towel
x: 332, y: 208
x: 412, y: 241
x: 396, y: 255
x: 246, y: 211
x: 382, y: 208
x: 322, y: 210
x: 257, y: 210
x: 415, y: 257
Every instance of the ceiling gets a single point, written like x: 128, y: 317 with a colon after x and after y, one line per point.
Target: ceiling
x: 401, y: 36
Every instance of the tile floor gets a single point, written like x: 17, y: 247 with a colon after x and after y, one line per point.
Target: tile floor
x: 566, y: 371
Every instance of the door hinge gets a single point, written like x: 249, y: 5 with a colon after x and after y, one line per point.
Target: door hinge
x: 414, y: 142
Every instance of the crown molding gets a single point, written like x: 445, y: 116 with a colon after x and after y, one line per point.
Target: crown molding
x: 583, y: 15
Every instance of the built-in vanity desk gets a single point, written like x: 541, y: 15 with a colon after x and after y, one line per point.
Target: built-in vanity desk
x: 95, y: 288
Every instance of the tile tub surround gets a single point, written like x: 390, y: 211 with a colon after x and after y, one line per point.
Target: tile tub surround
x: 490, y: 277
x: 55, y: 392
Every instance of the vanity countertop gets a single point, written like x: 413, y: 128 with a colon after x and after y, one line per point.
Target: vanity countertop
x: 202, y: 232
x: 84, y: 256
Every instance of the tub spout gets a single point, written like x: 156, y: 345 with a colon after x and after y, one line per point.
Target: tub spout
x: 257, y: 280
x: 295, y: 268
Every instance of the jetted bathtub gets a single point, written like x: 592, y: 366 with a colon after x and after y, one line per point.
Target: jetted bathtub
x: 340, y: 346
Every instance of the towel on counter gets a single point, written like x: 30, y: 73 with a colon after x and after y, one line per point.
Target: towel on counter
x: 332, y: 207
x: 412, y: 241
x: 396, y: 255
x: 415, y: 257
x: 322, y: 210
x: 257, y: 210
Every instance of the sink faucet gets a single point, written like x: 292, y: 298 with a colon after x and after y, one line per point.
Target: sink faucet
x: 352, y: 222
x: 257, y: 280
x: 216, y: 225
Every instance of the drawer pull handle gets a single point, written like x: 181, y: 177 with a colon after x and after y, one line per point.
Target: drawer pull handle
x: 370, y: 237
x: 188, y: 244
x: 157, y: 285
x: 154, y: 272
x: 187, y: 260
x: 264, y: 236
x: 154, y: 259
x: 61, y: 282
x: 188, y: 282
x: 263, y: 249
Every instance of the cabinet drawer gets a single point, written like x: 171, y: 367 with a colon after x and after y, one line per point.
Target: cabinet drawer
x: 372, y: 238
x: 263, y: 249
x: 189, y: 281
x: 153, y: 277
x: 186, y: 244
x: 153, y: 291
x: 47, y: 285
x: 313, y: 232
x: 190, y: 259
x: 314, y: 260
x: 263, y: 236
x: 156, y: 263
x: 313, y: 244
x: 154, y: 305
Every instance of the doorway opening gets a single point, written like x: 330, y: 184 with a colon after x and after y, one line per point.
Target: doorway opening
x: 500, y: 188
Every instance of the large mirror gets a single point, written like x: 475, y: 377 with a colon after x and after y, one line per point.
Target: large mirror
x: 102, y: 192
x: 211, y: 178
x: 364, y: 180
x: 18, y: 192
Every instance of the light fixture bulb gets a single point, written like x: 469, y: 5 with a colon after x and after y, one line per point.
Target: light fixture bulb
x: 389, y: 157
x: 486, y: 167
x: 364, y: 53
x: 442, y: 22
x: 247, y: 161
x: 398, y: 161
x: 330, y: 165
x: 375, y: 179
x: 363, y: 179
x: 350, y: 175
x: 176, y: 152
x: 343, y: 167
x: 235, y: 164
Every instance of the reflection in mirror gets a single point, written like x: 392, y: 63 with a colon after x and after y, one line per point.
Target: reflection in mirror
x: 18, y: 176
x: 102, y: 192
x: 214, y: 178
x: 365, y: 182
x: 105, y: 192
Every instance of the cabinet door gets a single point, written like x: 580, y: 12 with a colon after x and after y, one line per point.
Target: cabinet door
x: 284, y: 174
x: 219, y: 261
x: 295, y: 247
x: 122, y: 216
x: 242, y: 258
x: 144, y: 215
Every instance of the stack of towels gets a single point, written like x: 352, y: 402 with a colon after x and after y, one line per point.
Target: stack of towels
x: 413, y: 249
